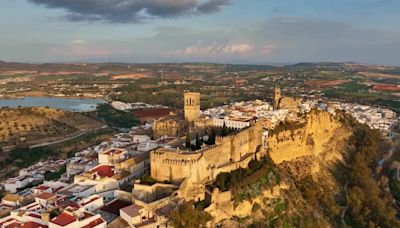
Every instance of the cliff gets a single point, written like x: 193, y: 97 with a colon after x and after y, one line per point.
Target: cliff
x: 308, y: 149
x: 318, y: 133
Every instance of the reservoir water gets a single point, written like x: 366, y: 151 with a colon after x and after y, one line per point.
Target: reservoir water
x: 68, y: 104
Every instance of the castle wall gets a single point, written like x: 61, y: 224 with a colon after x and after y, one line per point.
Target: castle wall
x: 229, y: 153
x: 173, y: 166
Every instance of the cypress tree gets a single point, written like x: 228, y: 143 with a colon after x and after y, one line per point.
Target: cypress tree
x: 188, y: 143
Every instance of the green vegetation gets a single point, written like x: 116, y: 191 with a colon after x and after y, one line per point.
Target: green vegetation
x: 48, y: 176
x: 147, y: 180
x: 187, y: 216
x: 116, y: 118
x: 249, y: 182
x: 368, y: 204
x: 394, y: 185
x: 23, y: 156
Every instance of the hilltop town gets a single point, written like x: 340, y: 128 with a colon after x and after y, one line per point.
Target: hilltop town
x: 240, y: 163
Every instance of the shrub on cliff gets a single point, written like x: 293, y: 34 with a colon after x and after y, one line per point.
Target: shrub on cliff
x: 187, y: 216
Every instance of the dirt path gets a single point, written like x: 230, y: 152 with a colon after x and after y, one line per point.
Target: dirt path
x: 66, y: 139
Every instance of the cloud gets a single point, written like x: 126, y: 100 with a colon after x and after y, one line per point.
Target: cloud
x: 131, y: 11
x: 241, y: 48
x: 80, y: 48
x: 214, y: 49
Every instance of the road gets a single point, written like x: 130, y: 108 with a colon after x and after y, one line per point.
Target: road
x: 66, y: 139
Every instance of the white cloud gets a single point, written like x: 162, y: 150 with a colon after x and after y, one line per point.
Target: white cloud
x: 214, y: 49
x: 240, y: 48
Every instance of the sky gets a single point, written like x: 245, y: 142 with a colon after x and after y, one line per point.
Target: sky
x: 221, y: 31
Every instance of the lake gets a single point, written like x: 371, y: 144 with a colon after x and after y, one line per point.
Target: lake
x: 68, y: 104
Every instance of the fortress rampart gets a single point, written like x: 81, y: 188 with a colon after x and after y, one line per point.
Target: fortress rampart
x: 202, y: 165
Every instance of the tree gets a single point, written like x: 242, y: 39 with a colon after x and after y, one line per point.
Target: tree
x: 188, y: 140
x: 211, y: 137
x: 224, y: 131
x: 186, y: 216
x: 198, y: 142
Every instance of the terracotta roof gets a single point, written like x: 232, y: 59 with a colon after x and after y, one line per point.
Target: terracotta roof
x: 114, y: 151
x: 94, y: 223
x: 153, y: 113
x: 6, y: 221
x: 45, y: 195
x: 32, y: 225
x: 34, y: 215
x: 13, y: 225
x: 42, y: 187
x: 63, y: 219
x: 104, y: 170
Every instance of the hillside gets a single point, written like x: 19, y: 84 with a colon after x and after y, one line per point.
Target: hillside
x: 327, y: 179
x: 38, y: 125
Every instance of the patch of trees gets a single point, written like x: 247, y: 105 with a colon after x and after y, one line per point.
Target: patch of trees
x: 368, y: 204
x: 187, y: 216
x: 248, y: 182
x: 116, y: 118
x: 23, y: 157
x: 48, y: 176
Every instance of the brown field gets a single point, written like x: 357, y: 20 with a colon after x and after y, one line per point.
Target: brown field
x: 132, y: 76
x: 37, y: 124
x: 368, y: 67
x: 386, y: 87
x: 326, y: 83
x: 378, y: 75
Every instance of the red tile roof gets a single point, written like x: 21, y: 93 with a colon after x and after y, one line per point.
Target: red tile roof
x: 105, y: 170
x: 32, y: 225
x: 42, y: 187
x: 34, y: 215
x: 155, y: 113
x: 114, y: 151
x: 13, y: 225
x: 45, y: 195
x: 63, y: 219
x: 94, y: 223
x: 8, y: 220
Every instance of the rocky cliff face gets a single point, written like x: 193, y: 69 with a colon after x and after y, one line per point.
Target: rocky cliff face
x: 309, y: 148
x: 317, y: 133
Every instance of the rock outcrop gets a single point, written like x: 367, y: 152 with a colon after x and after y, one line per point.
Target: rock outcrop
x: 319, y: 133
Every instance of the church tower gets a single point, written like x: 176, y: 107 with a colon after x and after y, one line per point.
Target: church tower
x: 277, y: 96
x: 191, y: 106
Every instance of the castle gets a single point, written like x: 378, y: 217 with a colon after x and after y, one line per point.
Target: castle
x: 194, y: 169
x: 229, y: 153
x: 290, y: 103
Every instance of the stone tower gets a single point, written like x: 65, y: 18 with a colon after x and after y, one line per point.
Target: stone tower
x: 277, y: 96
x: 191, y: 106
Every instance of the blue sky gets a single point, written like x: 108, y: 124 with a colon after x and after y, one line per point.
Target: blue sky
x: 233, y: 31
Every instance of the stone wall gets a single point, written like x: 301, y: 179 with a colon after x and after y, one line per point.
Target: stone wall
x: 202, y: 165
